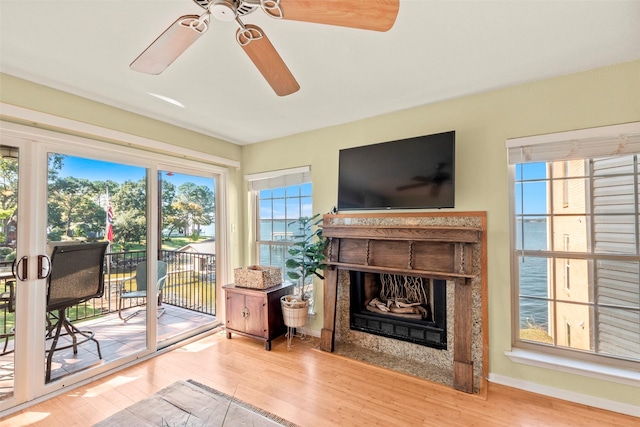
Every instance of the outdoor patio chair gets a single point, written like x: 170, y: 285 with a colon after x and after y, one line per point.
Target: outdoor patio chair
x: 76, y: 276
x: 141, y: 288
x: 7, y: 304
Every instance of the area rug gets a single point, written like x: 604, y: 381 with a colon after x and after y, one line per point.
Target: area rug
x: 191, y: 404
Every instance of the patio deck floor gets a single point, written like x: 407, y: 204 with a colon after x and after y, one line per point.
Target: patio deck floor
x: 116, y: 338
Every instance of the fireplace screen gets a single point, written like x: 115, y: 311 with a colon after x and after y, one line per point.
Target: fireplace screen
x: 407, y: 308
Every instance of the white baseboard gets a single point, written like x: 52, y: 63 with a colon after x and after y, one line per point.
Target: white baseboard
x: 583, y: 399
x: 583, y: 368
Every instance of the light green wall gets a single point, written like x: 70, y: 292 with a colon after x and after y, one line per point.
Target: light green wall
x: 40, y: 98
x: 21, y: 93
x: 482, y: 123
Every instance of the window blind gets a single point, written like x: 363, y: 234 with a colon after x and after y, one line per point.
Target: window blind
x: 607, y: 141
x: 279, y: 178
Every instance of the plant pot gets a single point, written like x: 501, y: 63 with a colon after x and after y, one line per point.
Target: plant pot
x: 295, y: 312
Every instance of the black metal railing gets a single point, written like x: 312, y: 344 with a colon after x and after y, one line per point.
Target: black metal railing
x: 190, y: 284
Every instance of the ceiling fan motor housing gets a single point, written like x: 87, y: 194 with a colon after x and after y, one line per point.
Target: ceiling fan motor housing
x: 223, y: 10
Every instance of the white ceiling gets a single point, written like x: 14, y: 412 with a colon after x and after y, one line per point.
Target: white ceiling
x: 436, y: 50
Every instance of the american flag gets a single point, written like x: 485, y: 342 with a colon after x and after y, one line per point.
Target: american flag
x: 109, y: 231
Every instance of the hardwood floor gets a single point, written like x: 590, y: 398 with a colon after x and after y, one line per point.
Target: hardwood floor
x: 310, y: 388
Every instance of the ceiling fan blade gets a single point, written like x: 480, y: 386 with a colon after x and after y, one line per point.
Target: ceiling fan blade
x: 376, y: 15
x: 265, y: 57
x: 169, y: 45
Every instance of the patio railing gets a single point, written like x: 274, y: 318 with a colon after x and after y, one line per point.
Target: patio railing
x: 190, y: 284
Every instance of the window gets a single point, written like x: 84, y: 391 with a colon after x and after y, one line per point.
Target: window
x: 565, y: 186
x: 281, y: 198
x: 577, y: 263
x: 567, y: 265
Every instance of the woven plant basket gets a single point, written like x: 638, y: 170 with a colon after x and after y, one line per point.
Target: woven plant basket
x: 294, y: 311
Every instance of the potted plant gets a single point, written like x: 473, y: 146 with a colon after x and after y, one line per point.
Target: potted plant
x: 306, y: 261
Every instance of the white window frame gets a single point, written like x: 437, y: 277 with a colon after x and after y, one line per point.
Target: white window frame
x: 619, y: 139
x: 273, y: 180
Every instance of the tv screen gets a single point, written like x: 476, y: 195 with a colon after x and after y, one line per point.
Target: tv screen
x: 413, y: 173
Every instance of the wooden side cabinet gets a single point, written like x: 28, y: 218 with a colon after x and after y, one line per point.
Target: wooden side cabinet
x: 255, y: 313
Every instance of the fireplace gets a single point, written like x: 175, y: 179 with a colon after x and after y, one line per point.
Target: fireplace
x: 440, y: 256
x: 407, y: 308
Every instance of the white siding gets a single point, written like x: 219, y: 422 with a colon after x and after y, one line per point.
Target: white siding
x: 617, y: 284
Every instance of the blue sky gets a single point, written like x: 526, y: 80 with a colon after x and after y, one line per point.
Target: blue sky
x: 535, y: 193
x: 96, y: 170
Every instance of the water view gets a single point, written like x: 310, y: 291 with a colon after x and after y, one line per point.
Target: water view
x: 533, y: 275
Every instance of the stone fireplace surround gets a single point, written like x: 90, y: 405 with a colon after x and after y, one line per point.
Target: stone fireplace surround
x: 449, y: 246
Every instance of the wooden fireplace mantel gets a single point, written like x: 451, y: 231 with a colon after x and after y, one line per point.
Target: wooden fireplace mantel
x: 429, y: 251
x: 437, y: 252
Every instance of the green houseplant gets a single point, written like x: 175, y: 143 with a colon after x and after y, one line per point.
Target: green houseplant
x: 306, y: 260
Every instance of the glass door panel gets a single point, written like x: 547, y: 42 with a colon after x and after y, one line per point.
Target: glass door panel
x: 188, y: 230
x: 8, y: 244
x: 92, y: 201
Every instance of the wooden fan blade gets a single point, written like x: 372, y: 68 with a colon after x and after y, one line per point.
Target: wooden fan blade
x: 265, y: 57
x: 376, y: 15
x: 168, y: 46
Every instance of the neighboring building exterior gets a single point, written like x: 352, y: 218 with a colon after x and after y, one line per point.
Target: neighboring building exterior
x: 586, y: 291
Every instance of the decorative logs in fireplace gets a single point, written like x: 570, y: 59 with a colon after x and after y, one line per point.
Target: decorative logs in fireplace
x: 433, y: 252
x: 407, y: 308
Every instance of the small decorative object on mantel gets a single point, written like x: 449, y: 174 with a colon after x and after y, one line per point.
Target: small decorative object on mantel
x: 257, y: 277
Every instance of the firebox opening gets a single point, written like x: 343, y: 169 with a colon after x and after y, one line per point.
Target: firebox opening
x: 406, y: 308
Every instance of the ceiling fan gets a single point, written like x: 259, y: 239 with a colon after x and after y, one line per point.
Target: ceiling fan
x: 375, y: 15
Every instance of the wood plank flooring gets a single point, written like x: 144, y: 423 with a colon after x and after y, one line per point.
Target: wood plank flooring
x: 310, y: 388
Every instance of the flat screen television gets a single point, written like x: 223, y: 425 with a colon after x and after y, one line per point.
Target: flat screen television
x: 412, y: 173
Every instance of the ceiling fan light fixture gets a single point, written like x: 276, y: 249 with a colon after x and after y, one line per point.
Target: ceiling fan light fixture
x: 223, y: 10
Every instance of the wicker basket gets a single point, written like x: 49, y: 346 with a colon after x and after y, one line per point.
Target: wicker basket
x: 257, y: 277
x: 295, y: 312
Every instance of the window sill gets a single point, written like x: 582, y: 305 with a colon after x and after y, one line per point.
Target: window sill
x: 574, y: 366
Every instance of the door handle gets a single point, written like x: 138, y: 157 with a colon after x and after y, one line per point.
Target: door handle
x: 41, y: 267
x: 18, y: 265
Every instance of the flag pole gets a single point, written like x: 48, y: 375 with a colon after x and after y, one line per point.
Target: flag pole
x: 109, y: 231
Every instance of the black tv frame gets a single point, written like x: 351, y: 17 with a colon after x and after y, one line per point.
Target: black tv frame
x: 411, y: 173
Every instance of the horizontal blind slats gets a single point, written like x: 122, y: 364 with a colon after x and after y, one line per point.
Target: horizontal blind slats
x: 618, y: 145
x: 279, y: 179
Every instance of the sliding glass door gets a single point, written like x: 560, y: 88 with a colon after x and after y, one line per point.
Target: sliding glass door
x: 188, y: 229
x: 9, y: 180
x: 106, y: 255
x: 91, y: 201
